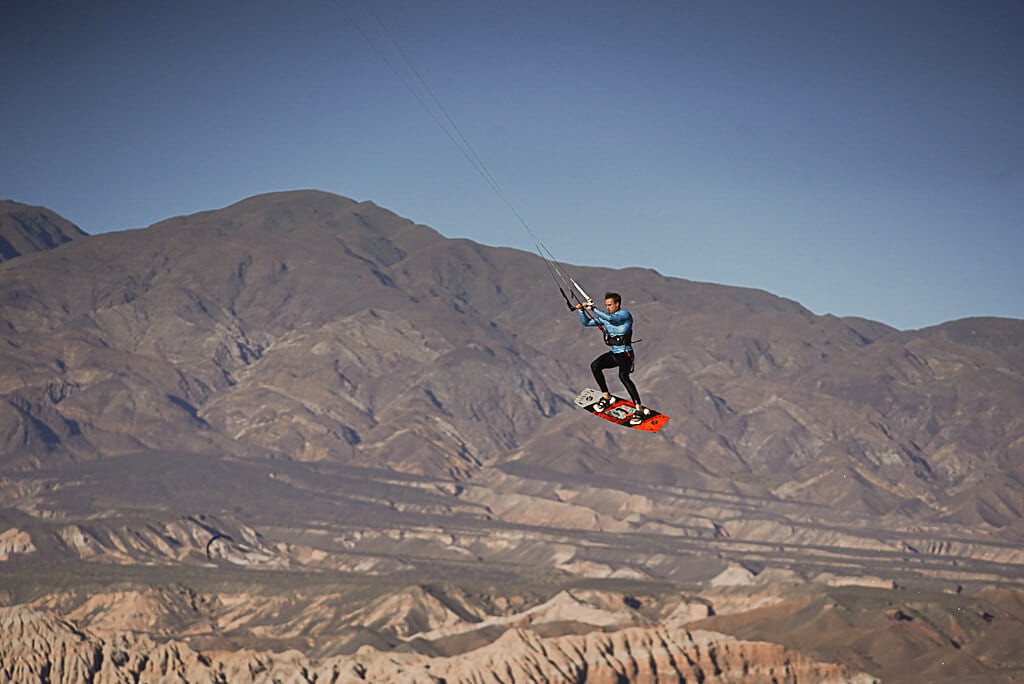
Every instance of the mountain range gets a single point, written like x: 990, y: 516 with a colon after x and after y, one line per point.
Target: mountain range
x: 304, y: 423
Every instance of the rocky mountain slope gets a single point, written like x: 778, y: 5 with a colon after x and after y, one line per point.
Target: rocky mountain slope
x: 25, y: 229
x: 317, y: 393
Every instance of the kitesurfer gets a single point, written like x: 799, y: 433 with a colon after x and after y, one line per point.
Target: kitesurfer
x: 617, y: 325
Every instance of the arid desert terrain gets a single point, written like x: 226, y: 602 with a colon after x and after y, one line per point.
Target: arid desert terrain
x: 302, y: 438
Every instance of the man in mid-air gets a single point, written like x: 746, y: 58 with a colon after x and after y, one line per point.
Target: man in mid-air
x: 617, y: 325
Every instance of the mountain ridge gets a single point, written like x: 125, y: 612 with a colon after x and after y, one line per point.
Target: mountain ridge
x: 160, y: 285
x: 25, y: 229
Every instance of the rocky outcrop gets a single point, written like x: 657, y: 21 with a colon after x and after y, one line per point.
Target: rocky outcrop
x: 36, y: 647
x: 14, y: 541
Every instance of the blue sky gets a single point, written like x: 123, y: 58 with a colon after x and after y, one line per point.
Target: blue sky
x: 862, y: 158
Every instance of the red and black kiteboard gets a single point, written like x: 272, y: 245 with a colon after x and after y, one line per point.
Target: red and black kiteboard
x: 620, y: 411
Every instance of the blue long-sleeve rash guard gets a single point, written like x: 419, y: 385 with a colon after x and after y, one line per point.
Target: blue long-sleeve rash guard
x: 618, y: 323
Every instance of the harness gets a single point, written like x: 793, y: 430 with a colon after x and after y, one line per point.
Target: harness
x: 613, y: 340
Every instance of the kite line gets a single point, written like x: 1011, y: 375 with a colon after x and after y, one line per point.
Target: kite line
x: 402, y: 66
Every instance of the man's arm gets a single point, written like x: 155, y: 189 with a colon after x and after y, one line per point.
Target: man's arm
x: 585, y: 319
x: 618, y: 318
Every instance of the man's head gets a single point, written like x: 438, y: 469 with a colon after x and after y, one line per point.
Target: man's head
x: 612, y: 301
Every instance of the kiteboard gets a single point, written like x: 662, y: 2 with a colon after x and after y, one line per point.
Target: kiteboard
x: 620, y: 411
